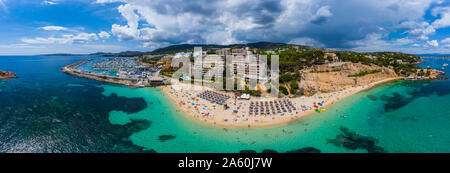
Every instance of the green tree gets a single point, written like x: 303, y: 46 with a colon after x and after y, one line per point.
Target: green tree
x: 283, y: 90
x: 294, y: 84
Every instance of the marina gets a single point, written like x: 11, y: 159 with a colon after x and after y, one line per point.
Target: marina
x: 125, y: 71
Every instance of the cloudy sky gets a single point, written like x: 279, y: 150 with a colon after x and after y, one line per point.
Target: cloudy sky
x: 87, y: 26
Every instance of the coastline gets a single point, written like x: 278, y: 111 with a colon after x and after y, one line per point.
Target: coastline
x: 238, y: 114
x: 7, y: 75
x: 215, y: 115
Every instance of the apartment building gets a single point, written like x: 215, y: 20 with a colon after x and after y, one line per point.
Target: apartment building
x: 243, y: 62
x: 209, y: 65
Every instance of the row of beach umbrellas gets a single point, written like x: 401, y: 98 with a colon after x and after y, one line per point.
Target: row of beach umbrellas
x: 214, y: 97
x: 271, y: 107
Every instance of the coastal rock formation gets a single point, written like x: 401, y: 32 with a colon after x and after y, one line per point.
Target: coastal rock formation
x: 7, y: 75
x: 164, y: 138
x: 339, y: 76
x: 435, y: 74
x: 352, y: 140
x: 305, y: 150
x: 66, y: 112
x: 426, y: 74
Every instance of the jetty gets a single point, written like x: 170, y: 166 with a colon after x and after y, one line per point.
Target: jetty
x: 127, y: 73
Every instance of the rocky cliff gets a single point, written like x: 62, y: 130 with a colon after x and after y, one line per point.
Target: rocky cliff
x: 426, y: 74
x: 339, y: 76
x: 7, y: 74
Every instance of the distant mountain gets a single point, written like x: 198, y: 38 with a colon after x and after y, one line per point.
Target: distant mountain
x: 63, y: 54
x: 264, y: 45
x: 189, y: 47
x: 257, y: 45
x: 185, y: 47
x: 434, y: 54
x: 121, y: 54
x: 102, y: 54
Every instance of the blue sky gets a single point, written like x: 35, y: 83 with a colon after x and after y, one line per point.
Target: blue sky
x: 87, y: 26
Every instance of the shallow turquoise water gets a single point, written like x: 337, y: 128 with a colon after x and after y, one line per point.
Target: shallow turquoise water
x: 421, y: 125
x: 403, y: 117
x: 91, y: 116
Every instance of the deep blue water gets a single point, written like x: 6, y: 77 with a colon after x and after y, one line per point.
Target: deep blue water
x: 45, y: 110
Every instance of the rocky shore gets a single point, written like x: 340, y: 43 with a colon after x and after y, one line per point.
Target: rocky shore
x: 340, y: 76
x: 7, y: 75
x: 431, y: 74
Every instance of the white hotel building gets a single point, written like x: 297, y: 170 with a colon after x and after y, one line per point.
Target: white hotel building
x: 243, y: 62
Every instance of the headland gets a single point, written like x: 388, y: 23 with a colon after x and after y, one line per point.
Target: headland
x: 7, y: 75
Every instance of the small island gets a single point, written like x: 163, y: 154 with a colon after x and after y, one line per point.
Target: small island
x: 7, y: 75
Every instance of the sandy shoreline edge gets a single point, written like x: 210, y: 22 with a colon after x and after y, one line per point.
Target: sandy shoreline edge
x: 182, y: 99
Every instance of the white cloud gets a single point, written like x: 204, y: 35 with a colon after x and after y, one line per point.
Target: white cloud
x: 54, y: 28
x: 32, y: 49
x: 377, y: 42
x: 234, y: 21
x: 105, y: 47
x: 3, y: 6
x: 322, y: 14
x: 50, y: 2
x: 423, y: 31
x: 71, y: 37
x: 153, y: 45
x: 83, y: 38
x: 444, y: 20
x: 446, y: 40
x: 108, y: 1
x: 218, y: 37
x: 21, y: 46
x: 306, y: 41
x: 129, y: 31
x: 417, y: 30
x: 104, y: 35
x: 80, y: 38
x: 50, y: 40
x: 433, y: 43
x: 422, y: 38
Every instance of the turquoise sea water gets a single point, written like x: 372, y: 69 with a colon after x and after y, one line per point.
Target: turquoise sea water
x: 47, y: 111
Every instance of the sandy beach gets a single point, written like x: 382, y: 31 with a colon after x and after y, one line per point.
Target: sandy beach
x: 185, y: 97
